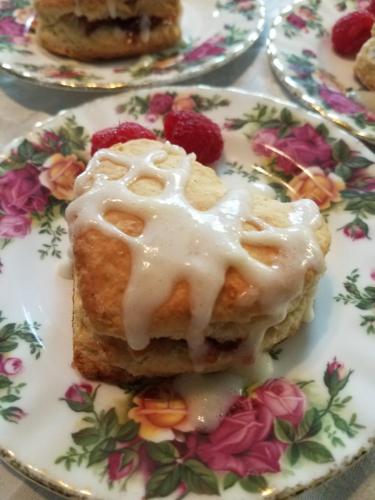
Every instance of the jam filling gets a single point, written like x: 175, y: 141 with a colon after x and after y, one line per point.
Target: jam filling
x: 133, y: 25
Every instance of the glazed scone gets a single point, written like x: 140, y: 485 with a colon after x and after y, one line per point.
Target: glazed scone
x: 267, y: 281
x: 364, y: 67
x: 99, y: 29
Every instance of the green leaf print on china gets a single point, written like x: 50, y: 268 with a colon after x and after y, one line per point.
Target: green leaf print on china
x: 11, y: 335
x: 363, y: 299
x: 303, y: 161
x: 36, y: 182
x: 155, y: 438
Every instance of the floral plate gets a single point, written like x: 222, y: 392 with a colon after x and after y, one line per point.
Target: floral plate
x: 302, y: 58
x: 220, y: 31
x: 281, y: 435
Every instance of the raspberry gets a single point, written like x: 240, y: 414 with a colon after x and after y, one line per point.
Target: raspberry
x: 371, y: 7
x: 195, y: 133
x: 122, y: 133
x: 351, y: 32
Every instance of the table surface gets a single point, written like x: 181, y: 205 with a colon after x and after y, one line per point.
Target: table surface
x: 22, y: 104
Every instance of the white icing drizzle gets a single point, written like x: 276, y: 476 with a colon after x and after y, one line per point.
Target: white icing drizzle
x: 111, y: 6
x: 65, y: 269
x: 180, y: 243
x: 77, y: 8
x: 210, y: 396
x: 145, y: 28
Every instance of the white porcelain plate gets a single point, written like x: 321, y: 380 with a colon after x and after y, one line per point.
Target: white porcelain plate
x: 304, y: 61
x: 214, y: 32
x: 81, y: 437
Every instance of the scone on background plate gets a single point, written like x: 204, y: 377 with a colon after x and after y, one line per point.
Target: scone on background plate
x: 364, y: 67
x: 174, y: 274
x: 106, y: 29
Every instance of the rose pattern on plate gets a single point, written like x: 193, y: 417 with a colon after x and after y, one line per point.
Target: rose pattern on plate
x: 305, y: 18
x: 362, y: 299
x: 68, y: 72
x: 306, y: 162
x: 343, y: 5
x: 11, y: 334
x: 188, y: 54
x: 304, y: 70
x: 244, y: 7
x: 274, y: 426
x: 36, y: 182
x: 158, y: 104
x: 14, y: 17
x: 324, y: 86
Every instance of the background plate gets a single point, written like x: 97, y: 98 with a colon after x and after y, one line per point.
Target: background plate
x: 301, y: 55
x: 214, y: 32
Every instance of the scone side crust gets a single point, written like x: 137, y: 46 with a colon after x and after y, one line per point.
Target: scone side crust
x: 364, y: 67
x: 51, y: 10
x: 64, y: 39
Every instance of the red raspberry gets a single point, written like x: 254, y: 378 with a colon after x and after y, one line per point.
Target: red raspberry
x: 122, y: 133
x: 351, y: 32
x: 371, y: 7
x: 195, y: 133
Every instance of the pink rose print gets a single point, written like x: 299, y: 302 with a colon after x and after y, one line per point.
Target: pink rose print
x: 339, y: 102
x: 10, y: 366
x: 372, y: 275
x: 21, y: 192
x: 336, y: 367
x: 363, y: 179
x: 283, y: 399
x: 160, y: 104
x: 10, y: 29
x: 296, y: 21
x: 210, y: 47
x: 303, y: 146
x: 14, y: 226
x: 240, y: 443
x: 14, y: 414
x: 336, y: 376
x: 264, y: 140
x: 49, y: 142
x: 356, y: 230
x: 118, y: 471
x: 76, y: 391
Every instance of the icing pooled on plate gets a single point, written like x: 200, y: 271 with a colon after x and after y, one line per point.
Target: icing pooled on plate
x: 210, y: 396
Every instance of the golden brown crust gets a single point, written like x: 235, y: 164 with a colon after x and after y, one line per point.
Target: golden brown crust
x: 51, y: 10
x: 103, y: 264
x: 68, y: 37
x: 102, y: 270
x: 364, y: 67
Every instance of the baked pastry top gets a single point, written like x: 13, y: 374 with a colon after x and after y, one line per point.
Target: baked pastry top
x: 150, y: 241
x: 98, y: 29
x: 95, y: 10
